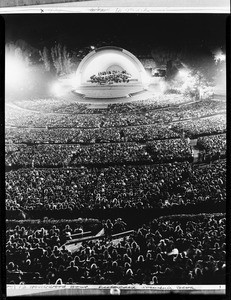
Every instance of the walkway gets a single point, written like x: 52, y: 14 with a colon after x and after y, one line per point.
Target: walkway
x: 195, y: 150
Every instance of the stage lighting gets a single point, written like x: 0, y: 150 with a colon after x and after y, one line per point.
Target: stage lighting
x: 57, y: 89
x: 146, y: 78
x: 183, y: 73
x: 72, y: 80
x: 15, y: 72
x: 76, y: 80
x: 219, y: 57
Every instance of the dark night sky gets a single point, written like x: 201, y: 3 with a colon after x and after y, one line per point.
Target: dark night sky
x: 131, y: 31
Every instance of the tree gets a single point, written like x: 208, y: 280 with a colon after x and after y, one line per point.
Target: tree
x: 171, y: 59
x: 46, y: 59
x: 14, y: 51
x: 196, y: 85
x: 67, y: 61
x: 61, y: 59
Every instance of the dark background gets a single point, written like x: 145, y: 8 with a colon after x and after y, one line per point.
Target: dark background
x: 136, y: 32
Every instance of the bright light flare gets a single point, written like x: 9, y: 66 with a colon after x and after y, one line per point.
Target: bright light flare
x: 69, y: 81
x: 57, y: 89
x: 184, y: 73
x: 219, y: 57
x: 15, y: 72
x: 146, y: 78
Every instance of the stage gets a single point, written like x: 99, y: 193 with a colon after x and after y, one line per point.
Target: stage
x: 109, y: 91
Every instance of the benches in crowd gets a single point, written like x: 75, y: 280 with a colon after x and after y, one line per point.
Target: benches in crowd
x: 91, y: 238
x: 80, y: 234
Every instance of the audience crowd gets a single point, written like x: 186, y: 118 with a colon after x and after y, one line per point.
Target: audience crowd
x: 212, y: 147
x: 40, y: 155
x: 117, y: 115
x: 176, y: 104
x: 70, y: 105
x: 170, y: 150
x: 43, y: 155
x: 165, y: 251
x: 137, y: 186
x: 88, y: 136
x: 51, y: 105
x: 68, y: 159
x: 204, y: 126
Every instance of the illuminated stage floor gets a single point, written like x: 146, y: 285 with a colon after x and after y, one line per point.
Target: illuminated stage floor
x: 109, y: 91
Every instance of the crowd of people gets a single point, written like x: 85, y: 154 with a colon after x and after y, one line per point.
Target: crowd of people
x: 114, y: 116
x: 110, y: 77
x: 165, y: 251
x: 52, y: 105
x: 51, y: 155
x: 147, y: 186
x: 204, y: 126
x: 111, y: 154
x: 40, y: 156
x: 170, y: 150
x: 213, y: 146
x: 68, y: 160
x: 174, y: 103
x: 88, y: 136
x: 70, y: 104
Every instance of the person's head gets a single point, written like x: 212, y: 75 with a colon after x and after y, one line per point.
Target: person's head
x: 127, y: 265
x: 65, y: 256
x: 114, y: 252
x: 102, y: 280
x: 77, y: 259
x: 134, y: 245
x: 216, y: 246
x: 149, y: 255
x: 159, y: 257
x: 36, y: 275
x: 28, y: 262
x: 93, y: 267
x: 138, y: 272
x: 167, y: 271
x: 59, y: 281
x: 92, y: 252
x: 61, y: 268
x: 92, y: 260
x: 10, y: 266
x: 125, y: 256
x: 140, y: 258
x: 72, y: 263
x: 70, y: 281
x: 198, y: 272
x: 155, y: 268
x: 129, y: 272
x: 154, y: 280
